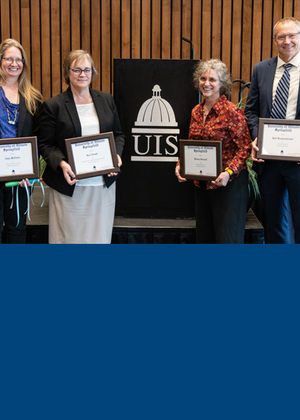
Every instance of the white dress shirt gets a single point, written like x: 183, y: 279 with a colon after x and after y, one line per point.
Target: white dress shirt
x: 294, y: 84
x: 89, y: 125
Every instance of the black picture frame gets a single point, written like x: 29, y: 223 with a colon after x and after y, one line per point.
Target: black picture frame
x: 286, y: 125
x: 93, y: 141
x: 15, y: 157
x: 198, y: 146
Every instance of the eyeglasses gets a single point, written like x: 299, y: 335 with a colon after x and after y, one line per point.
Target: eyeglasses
x: 78, y: 72
x: 11, y: 60
x: 290, y: 36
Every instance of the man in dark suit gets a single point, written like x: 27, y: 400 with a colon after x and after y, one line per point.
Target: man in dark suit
x: 279, y: 181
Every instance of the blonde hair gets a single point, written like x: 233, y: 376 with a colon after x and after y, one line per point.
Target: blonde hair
x: 74, y: 57
x: 31, y: 95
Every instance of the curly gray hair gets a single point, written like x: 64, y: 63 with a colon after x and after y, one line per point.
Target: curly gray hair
x: 221, y: 69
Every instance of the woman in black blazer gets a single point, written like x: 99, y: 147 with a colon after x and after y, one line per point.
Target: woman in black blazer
x: 19, y: 105
x: 79, y: 211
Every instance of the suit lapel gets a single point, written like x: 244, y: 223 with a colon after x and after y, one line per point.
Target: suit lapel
x: 298, y: 105
x: 269, y: 80
x: 72, y: 111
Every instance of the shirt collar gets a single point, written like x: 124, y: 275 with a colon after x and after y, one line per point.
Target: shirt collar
x: 295, y: 61
x: 219, y: 103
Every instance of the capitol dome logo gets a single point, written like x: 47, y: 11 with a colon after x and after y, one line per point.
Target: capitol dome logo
x: 155, y: 132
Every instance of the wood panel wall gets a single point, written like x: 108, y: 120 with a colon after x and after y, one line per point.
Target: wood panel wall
x: 239, y: 32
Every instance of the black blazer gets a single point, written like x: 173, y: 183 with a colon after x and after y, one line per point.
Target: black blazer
x: 26, y: 122
x: 59, y: 120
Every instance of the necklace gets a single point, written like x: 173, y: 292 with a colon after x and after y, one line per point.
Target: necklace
x: 9, y: 120
x: 205, y: 113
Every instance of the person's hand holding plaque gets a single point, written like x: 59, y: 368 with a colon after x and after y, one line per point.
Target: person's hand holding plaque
x: 177, y: 173
x: 222, y: 179
x: 25, y: 182
x: 119, y: 165
x: 68, y: 173
x: 254, y: 151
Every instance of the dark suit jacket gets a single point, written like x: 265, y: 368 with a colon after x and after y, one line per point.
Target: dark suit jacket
x: 26, y: 122
x: 259, y: 101
x: 59, y: 121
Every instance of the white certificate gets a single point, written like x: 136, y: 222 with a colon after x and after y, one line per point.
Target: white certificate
x: 15, y: 159
x: 281, y: 140
x: 200, y: 160
x: 92, y: 156
x: 278, y: 139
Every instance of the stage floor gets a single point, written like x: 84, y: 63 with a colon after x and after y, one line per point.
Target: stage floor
x: 134, y: 230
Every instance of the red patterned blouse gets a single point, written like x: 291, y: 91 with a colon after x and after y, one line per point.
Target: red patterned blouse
x: 226, y: 122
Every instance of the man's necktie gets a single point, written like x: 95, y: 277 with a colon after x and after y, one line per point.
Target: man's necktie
x: 282, y: 94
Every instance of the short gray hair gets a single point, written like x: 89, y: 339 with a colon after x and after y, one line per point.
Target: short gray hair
x: 222, y: 71
x: 286, y: 19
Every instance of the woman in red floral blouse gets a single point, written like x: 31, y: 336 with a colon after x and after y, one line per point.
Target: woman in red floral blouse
x: 220, y: 205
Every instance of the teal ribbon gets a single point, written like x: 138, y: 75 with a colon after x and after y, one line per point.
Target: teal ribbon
x: 17, y: 184
x: 42, y: 187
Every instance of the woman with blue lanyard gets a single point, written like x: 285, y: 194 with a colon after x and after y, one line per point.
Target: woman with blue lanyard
x: 19, y: 105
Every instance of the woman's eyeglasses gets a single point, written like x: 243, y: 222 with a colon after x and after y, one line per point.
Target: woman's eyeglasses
x: 79, y: 71
x: 11, y: 60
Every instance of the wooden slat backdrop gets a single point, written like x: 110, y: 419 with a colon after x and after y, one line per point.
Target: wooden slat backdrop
x: 239, y: 32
